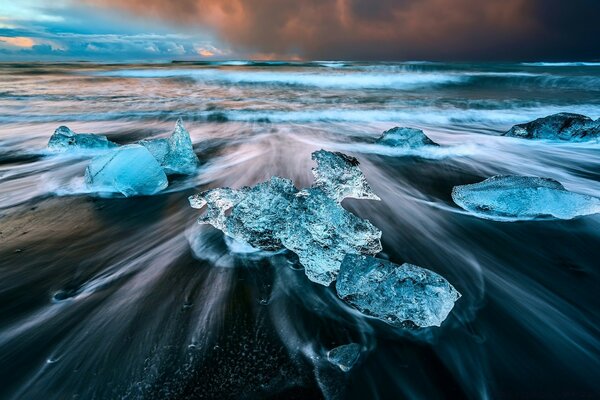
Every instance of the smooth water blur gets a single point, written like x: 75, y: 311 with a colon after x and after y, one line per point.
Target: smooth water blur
x: 129, y: 298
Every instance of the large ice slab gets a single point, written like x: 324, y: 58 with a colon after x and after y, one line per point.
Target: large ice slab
x: 176, y: 153
x: 64, y: 140
x: 130, y: 170
x: 273, y: 215
x: 513, y: 198
x: 562, y: 126
x: 397, y: 294
x: 408, y: 138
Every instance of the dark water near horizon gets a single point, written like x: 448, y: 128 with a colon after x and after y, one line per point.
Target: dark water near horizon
x: 106, y: 298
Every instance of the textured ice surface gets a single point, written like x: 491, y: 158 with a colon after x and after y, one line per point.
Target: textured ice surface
x: 344, y: 356
x: 563, y: 126
x: 273, y: 215
x: 513, y: 198
x: 409, y: 138
x: 130, y: 170
x: 218, y: 202
x: 339, y: 177
x: 395, y: 293
x: 175, y: 154
x: 64, y: 140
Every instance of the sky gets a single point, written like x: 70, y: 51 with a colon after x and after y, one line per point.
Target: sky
x: 164, y: 30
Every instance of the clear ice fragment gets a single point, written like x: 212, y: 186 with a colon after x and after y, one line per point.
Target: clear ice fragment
x: 344, y: 356
x: 397, y: 294
x: 409, y: 138
x: 64, y: 140
x: 338, y: 176
x: 515, y: 198
x: 274, y: 215
x: 130, y: 170
x: 176, y: 153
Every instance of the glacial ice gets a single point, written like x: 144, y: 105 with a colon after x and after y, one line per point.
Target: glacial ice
x: 395, y: 293
x: 273, y: 215
x: 64, y: 140
x: 562, y: 126
x: 409, y: 138
x: 130, y: 170
x: 514, y: 198
x: 338, y: 175
x: 344, y: 356
x: 176, y: 153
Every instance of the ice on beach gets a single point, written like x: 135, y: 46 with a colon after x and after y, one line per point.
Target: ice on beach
x: 514, y: 198
x: 409, y: 138
x: 130, y: 170
x: 338, y: 175
x: 64, y: 140
x: 274, y: 215
x: 176, y: 153
x: 397, y: 294
x: 218, y: 202
x: 345, y: 356
x: 321, y: 232
x: 562, y: 126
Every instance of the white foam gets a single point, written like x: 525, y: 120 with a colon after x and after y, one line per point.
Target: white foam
x: 562, y: 64
x: 345, y: 80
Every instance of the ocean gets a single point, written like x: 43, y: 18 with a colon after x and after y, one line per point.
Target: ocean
x: 111, y: 297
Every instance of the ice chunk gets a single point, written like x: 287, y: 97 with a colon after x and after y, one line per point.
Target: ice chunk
x: 273, y: 215
x: 130, y: 170
x: 263, y: 213
x: 513, y: 198
x: 65, y: 139
x: 321, y: 232
x: 175, y: 154
x: 339, y: 177
x: 397, y: 294
x: 344, y: 356
x: 562, y: 126
x: 409, y: 138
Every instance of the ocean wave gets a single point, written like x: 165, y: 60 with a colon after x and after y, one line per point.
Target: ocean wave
x: 431, y: 116
x: 562, y: 64
x: 338, y: 76
x: 406, y: 80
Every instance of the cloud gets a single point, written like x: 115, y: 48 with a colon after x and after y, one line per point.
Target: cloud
x: 18, y: 41
x: 388, y: 29
x: 81, y: 32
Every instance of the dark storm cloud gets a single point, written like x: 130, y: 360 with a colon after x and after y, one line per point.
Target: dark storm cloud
x: 390, y: 29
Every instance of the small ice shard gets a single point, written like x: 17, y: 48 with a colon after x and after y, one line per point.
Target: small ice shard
x: 274, y: 215
x: 64, y: 140
x: 514, y: 198
x: 409, y: 138
x: 176, y: 153
x: 344, y: 356
x: 562, y: 126
x: 397, y: 294
x: 130, y: 170
x: 339, y: 177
